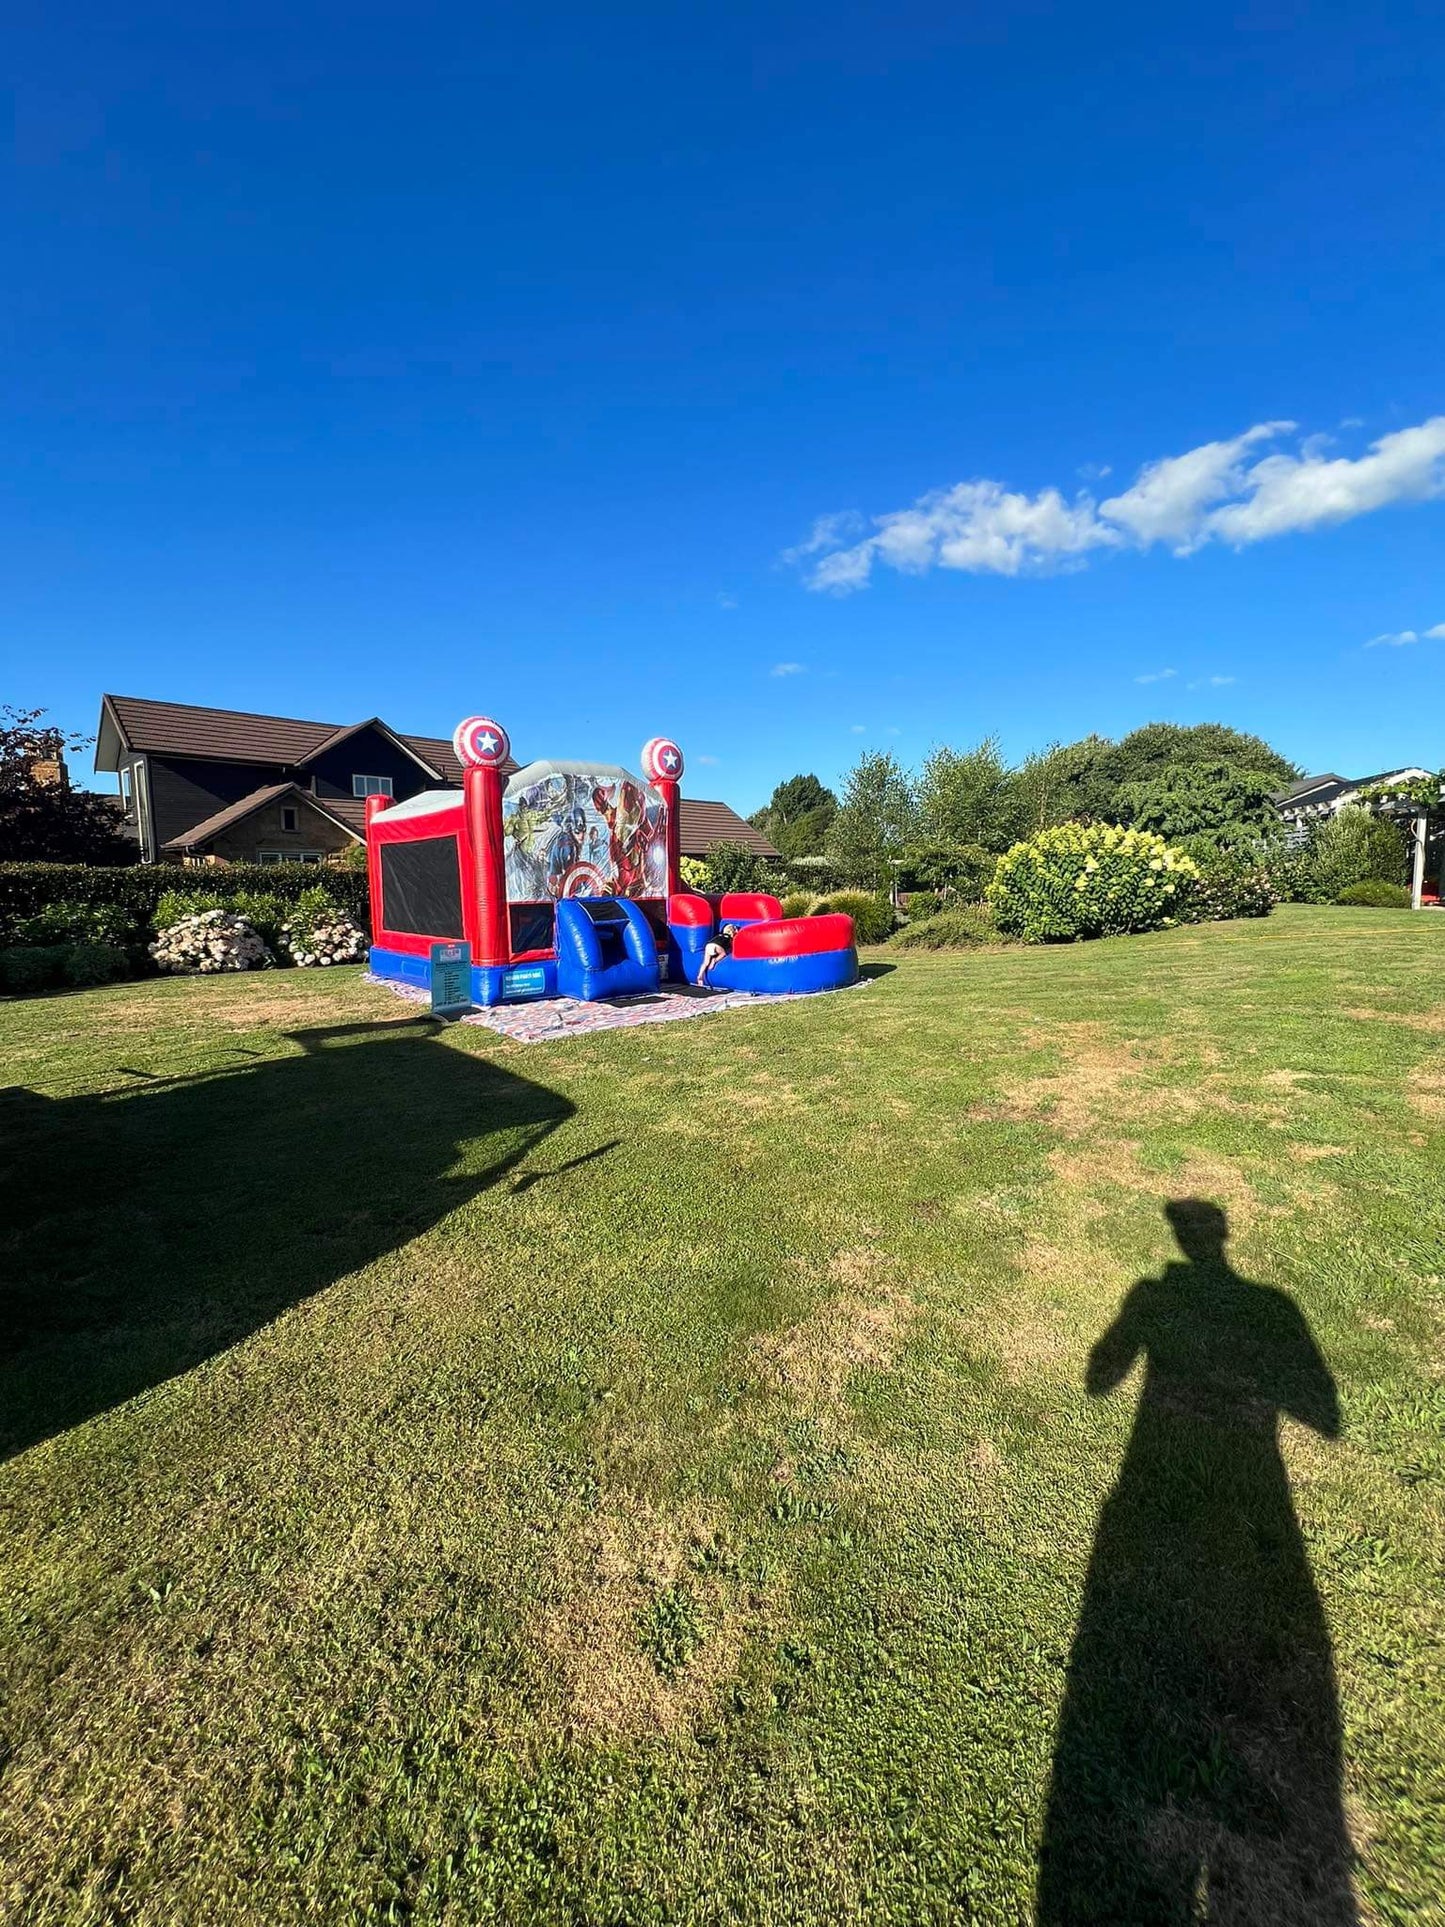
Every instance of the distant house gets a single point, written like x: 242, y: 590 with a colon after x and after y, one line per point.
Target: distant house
x: 223, y: 785
x: 1313, y: 797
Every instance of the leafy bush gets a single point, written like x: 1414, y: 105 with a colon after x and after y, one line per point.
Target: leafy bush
x: 731, y: 867
x: 695, y: 875
x: 1225, y: 891
x: 797, y: 903
x: 873, y: 917
x: 172, y: 905
x: 28, y: 888
x: 1095, y: 880
x: 94, y: 963
x: 1372, y: 894
x: 1356, y: 846
x: 83, y: 923
x: 265, y: 912
x: 965, y: 869
x: 962, y: 929
x: 26, y: 969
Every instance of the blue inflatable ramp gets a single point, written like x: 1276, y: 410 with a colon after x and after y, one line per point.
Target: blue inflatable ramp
x: 605, y: 948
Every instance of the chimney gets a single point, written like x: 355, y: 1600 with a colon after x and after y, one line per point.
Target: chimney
x: 49, y: 773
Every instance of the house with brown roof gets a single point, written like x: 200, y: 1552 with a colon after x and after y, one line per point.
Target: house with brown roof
x: 226, y: 785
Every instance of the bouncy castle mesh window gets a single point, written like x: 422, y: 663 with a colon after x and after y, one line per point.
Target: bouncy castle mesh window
x: 421, y: 888
x: 531, y: 926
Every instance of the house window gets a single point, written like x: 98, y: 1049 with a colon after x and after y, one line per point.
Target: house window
x: 288, y: 816
x: 288, y: 856
x: 371, y: 786
x: 127, y: 795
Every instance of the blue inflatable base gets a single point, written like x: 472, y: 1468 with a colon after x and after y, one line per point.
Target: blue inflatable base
x: 776, y: 976
x: 518, y: 983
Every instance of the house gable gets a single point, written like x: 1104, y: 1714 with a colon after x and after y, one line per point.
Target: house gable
x: 370, y: 750
x: 278, y: 822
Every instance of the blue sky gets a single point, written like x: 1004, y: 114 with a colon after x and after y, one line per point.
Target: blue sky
x: 426, y: 360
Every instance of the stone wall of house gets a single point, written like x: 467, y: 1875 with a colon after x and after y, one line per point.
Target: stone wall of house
x: 243, y: 842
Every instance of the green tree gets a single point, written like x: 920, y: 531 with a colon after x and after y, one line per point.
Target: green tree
x: 731, y: 867
x: 43, y: 820
x: 1218, y: 805
x: 1063, y: 783
x: 876, y: 818
x: 1147, y: 752
x: 797, y: 817
x: 968, y: 797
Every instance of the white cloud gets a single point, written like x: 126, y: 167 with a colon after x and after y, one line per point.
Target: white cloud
x: 1401, y: 638
x: 727, y: 602
x: 1157, y: 675
x: 858, y: 729
x: 1172, y: 498
x: 788, y: 669
x: 1219, y: 492
x: 709, y: 762
x: 1210, y: 682
x: 828, y: 532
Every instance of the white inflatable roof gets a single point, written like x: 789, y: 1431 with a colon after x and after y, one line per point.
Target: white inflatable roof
x: 539, y: 771
x: 422, y: 804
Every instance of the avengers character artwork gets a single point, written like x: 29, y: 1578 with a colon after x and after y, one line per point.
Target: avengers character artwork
x: 582, y: 830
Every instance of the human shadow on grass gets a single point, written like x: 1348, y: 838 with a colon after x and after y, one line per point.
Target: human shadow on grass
x: 1197, y: 1767
x: 145, y: 1230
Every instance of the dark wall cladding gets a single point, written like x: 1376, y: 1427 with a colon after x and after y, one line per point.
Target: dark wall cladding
x: 421, y: 888
x: 532, y: 926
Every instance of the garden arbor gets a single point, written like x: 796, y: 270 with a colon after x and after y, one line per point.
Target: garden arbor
x: 1417, y: 804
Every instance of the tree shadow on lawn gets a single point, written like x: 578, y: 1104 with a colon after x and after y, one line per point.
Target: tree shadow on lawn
x: 1197, y: 1767
x: 149, y: 1229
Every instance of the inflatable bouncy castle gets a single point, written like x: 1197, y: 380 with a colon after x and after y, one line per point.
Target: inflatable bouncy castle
x: 563, y: 879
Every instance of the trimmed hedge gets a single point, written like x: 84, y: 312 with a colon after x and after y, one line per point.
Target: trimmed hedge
x: 27, y: 968
x: 26, y: 889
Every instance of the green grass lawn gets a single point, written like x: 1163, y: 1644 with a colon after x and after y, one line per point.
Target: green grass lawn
x: 783, y: 1467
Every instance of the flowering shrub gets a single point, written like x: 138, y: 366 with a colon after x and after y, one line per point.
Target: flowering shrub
x: 1095, y: 880
x: 318, y: 931
x: 210, y: 941
x: 1228, y: 891
x: 335, y: 941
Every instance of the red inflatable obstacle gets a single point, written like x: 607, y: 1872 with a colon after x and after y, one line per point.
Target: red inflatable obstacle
x: 770, y: 953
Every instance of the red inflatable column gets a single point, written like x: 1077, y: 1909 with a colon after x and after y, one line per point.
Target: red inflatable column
x: 374, y: 807
x: 484, y: 830
x: 662, y: 766
x: 482, y: 747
